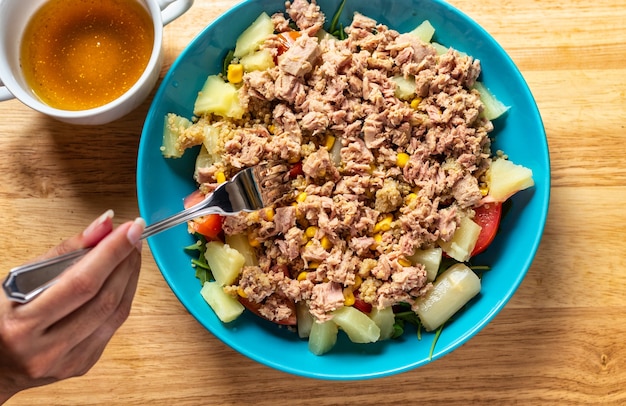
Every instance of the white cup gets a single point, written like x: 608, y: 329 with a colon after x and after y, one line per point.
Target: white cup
x: 14, y: 17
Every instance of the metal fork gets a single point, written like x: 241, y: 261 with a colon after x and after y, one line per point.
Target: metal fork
x: 249, y: 190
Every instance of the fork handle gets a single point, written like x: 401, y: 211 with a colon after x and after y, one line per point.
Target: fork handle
x: 27, y: 281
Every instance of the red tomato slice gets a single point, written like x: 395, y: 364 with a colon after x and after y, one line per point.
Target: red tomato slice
x: 254, y: 308
x: 296, y: 170
x: 359, y: 304
x: 286, y: 40
x: 193, y: 199
x: 209, y: 226
x: 488, y: 218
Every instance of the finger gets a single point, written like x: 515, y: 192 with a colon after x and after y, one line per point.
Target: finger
x: 97, y: 312
x: 95, y: 232
x: 83, y: 280
x: 86, y: 353
x: 92, y: 235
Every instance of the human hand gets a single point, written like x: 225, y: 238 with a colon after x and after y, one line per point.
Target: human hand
x: 64, y: 330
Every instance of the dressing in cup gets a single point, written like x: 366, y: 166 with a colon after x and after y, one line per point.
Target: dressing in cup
x: 83, y: 61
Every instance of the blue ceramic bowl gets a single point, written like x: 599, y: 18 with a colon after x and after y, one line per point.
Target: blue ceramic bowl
x: 162, y: 184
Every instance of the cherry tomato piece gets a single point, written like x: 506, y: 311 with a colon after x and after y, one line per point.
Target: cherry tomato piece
x: 209, y: 226
x: 488, y: 218
x: 296, y: 170
x: 286, y: 40
x: 360, y: 304
x: 193, y: 199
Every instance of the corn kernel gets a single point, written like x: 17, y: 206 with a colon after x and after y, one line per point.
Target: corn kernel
x: 253, y: 240
x: 348, y: 297
x: 416, y: 102
x: 378, y: 238
x: 329, y: 141
x: 410, y: 197
x: 402, y: 159
x: 301, y: 197
x: 310, y: 231
x: 358, y: 280
x: 235, y: 73
x: 302, y: 276
x: 484, y: 190
x: 269, y: 214
x: 404, y: 262
x: 241, y: 292
x: 384, y: 224
x: 313, y: 265
x: 272, y: 129
x: 326, y: 244
x: 220, y: 177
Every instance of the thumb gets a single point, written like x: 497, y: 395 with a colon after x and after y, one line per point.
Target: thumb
x: 91, y: 236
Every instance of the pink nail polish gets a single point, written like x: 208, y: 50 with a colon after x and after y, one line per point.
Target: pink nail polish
x: 97, y: 222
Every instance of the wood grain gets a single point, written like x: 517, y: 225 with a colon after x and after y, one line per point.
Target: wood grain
x: 560, y: 340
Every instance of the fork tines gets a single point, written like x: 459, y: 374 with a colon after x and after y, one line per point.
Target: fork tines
x: 273, y: 181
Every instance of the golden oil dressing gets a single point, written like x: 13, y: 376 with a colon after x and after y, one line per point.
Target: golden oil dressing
x: 81, y: 54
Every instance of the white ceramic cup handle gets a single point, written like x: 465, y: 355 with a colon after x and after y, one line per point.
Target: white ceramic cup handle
x: 172, y: 9
x: 4, y: 93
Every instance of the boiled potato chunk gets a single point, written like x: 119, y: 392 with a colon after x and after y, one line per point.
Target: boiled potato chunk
x: 506, y: 178
x: 357, y: 325
x: 305, y: 319
x: 405, y: 87
x: 384, y: 319
x: 218, y: 97
x: 173, y: 126
x: 424, y: 31
x: 430, y: 258
x: 211, y: 142
x: 203, y: 160
x: 463, y: 241
x: 241, y: 243
x: 225, y: 262
x: 451, y: 291
x: 440, y: 48
x: 258, y: 60
x: 494, y: 108
x: 226, y: 307
x: 323, y: 337
x: 250, y: 40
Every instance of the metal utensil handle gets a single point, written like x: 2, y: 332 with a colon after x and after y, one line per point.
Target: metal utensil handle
x: 27, y: 281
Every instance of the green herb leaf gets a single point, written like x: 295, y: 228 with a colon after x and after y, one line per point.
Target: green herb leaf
x: 435, y: 339
x: 227, y: 60
x: 334, y: 22
x: 204, y: 275
x: 198, y: 260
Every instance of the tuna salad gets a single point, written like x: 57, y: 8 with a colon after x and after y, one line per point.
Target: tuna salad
x: 384, y: 139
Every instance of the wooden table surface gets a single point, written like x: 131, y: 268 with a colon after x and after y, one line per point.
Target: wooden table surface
x: 560, y: 340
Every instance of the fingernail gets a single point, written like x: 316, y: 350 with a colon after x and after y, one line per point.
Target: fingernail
x: 97, y: 222
x: 135, y: 230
